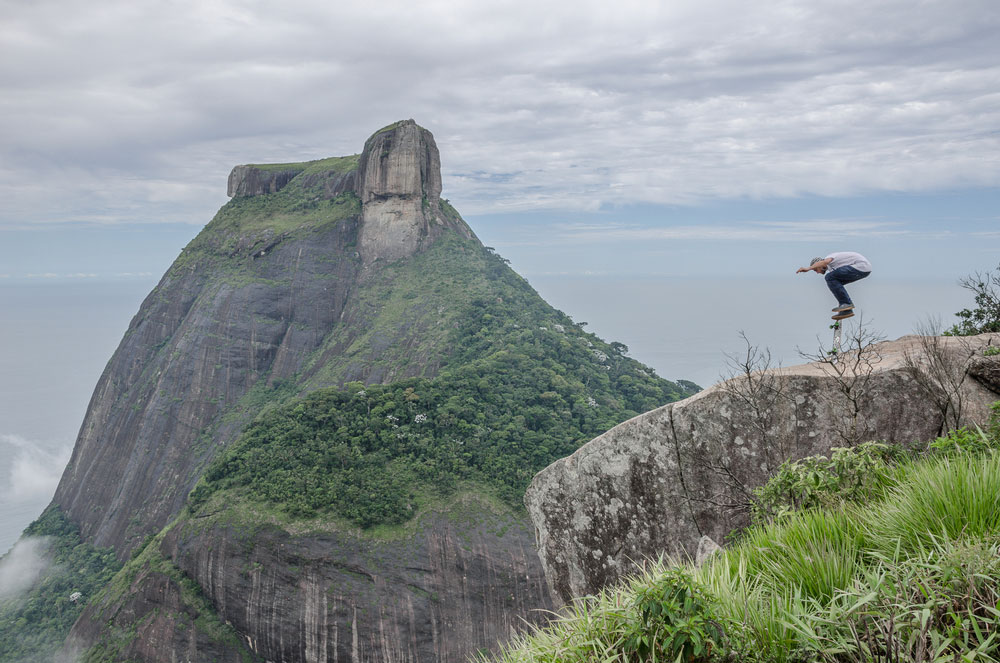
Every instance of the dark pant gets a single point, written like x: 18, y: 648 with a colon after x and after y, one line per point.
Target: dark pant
x: 841, y: 276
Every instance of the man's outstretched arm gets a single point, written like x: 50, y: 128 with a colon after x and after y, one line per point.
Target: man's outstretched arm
x: 819, y: 266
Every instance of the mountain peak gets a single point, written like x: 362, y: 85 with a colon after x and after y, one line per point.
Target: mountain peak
x: 397, y: 179
x: 399, y: 185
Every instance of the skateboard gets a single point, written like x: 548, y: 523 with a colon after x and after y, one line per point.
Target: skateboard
x: 836, y: 339
x: 837, y: 317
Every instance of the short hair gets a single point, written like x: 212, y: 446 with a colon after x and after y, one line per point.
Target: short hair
x: 815, y: 260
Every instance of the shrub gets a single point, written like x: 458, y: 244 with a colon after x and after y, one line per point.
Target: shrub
x: 985, y: 316
x: 674, y: 620
x: 856, y: 475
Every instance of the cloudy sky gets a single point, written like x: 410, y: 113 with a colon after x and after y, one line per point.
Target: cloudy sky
x: 575, y: 136
x: 659, y: 169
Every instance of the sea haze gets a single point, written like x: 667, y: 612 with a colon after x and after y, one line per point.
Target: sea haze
x: 685, y: 327
x: 57, y: 338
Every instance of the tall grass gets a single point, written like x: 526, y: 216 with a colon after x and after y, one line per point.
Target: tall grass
x: 912, y: 577
x: 816, y: 553
x: 951, y: 498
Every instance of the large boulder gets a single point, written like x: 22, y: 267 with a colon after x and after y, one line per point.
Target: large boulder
x: 660, y: 482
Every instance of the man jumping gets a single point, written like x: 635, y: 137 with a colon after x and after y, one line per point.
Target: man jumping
x: 841, y: 268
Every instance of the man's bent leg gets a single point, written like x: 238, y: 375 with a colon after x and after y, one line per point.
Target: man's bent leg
x: 836, y: 279
x: 838, y: 290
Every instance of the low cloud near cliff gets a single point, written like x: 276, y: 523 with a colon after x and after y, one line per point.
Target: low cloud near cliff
x: 29, y: 473
x: 22, y: 567
x: 33, y: 471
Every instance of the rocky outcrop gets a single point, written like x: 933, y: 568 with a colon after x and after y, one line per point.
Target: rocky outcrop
x: 256, y: 180
x: 399, y: 184
x: 400, y: 161
x: 659, y: 483
x: 987, y: 371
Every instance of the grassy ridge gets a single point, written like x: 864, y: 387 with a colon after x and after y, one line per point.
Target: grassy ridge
x: 907, y: 569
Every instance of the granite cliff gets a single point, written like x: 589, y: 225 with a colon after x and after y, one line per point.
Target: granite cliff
x: 682, y: 474
x: 320, y: 277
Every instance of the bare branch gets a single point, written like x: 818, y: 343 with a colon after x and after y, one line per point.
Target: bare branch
x: 852, y: 370
x: 941, y: 372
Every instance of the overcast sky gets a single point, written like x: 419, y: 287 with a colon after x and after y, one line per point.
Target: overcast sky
x: 575, y: 136
x: 609, y: 149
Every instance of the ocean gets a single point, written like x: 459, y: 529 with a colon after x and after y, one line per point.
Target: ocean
x: 56, y: 338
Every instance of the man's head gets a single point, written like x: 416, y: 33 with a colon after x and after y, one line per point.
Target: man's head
x: 814, y: 261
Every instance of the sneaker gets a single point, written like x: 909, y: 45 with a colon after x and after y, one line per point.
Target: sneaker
x: 845, y: 314
x: 845, y: 307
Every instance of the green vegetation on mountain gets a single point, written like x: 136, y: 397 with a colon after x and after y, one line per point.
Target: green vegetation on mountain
x: 248, y: 224
x: 253, y: 223
x: 874, y: 554
x: 317, y: 166
x: 521, y: 387
x: 34, y: 625
x: 298, y: 373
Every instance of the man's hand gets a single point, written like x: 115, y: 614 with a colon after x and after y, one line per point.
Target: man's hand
x: 819, y: 266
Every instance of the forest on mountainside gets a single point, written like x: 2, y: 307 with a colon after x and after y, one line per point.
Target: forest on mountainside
x: 523, y: 387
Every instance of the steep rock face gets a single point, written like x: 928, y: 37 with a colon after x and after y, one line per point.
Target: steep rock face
x: 659, y: 482
x: 251, y: 180
x: 132, y: 631
x: 256, y: 180
x: 399, y: 184
x: 459, y: 582
x: 200, y: 342
x: 441, y: 594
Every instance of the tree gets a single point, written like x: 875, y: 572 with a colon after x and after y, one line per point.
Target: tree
x: 985, y: 317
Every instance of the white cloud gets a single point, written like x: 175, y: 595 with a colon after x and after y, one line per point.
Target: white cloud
x: 818, y: 230
x: 120, y: 111
x: 23, y: 566
x: 54, y: 275
x: 34, y: 471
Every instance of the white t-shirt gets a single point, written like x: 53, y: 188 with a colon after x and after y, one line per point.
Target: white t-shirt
x: 849, y: 259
